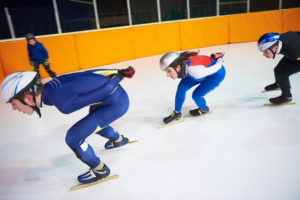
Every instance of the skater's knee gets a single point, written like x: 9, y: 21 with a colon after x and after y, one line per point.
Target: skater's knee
x: 197, y: 96
x: 71, y: 140
x: 183, y: 88
x: 280, y: 71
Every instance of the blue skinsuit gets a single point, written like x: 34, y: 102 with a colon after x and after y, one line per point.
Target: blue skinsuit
x: 108, y: 101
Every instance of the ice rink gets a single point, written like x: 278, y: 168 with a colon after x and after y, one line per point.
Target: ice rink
x: 242, y: 151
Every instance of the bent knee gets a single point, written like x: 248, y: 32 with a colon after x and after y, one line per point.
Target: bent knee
x: 71, y: 140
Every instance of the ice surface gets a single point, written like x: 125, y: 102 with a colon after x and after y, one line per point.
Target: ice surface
x: 242, y: 151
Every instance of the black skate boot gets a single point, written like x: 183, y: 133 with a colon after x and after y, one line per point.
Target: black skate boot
x: 51, y: 73
x: 174, y: 116
x: 198, y: 111
x: 280, y: 99
x: 271, y: 87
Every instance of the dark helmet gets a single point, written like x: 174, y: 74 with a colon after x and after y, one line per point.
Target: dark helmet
x: 29, y: 36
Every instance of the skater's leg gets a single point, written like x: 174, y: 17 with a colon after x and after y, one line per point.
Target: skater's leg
x: 184, y: 85
x: 210, y: 83
x: 48, y: 70
x: 36, y: 69
x: 94, y: 122
x: 109, y: 133
x: 282, y: 71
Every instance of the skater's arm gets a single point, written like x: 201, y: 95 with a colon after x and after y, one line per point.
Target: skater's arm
x: 29, y: 55
x: 44, y: 51
x: 106, y: 72
x: 128, y: 72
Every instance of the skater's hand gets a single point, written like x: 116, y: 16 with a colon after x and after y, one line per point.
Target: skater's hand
x: 46, y: 62
x: 217, y: 55
x: 128, y: 72
x: 32, y: 65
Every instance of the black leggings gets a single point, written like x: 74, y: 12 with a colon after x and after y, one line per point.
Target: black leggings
x: 282, y: 71
x: 47, y: 68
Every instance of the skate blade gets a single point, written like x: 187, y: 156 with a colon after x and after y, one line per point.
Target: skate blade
x: 171, y: 123
x: 269, y: 90
x: 271, y: 104
x: 130, y: 142
x: 186, y: 116
x: 95, y: 182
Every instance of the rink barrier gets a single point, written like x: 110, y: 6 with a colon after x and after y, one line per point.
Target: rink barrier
x: 82, y: 50
x: 249, y: 27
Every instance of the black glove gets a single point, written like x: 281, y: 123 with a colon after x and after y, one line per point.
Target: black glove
x: 128, y: 72
x: 217, y: 55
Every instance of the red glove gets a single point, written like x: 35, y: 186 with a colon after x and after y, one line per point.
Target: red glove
x: 128, y: 72
x: 217, y: 55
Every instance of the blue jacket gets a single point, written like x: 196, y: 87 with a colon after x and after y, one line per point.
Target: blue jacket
x: 37, y: 52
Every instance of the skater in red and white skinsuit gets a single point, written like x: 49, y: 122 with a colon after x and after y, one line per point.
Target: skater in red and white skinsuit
x: 193, y: 69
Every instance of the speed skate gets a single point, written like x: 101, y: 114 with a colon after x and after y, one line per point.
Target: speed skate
x: 272, y: 104
x: 130, y: 142
x: 180, y: 120
x: 269, y: 90
x: 94, y: 182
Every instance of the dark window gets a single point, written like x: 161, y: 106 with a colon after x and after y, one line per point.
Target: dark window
x: 4, y: 30
x: 290, y: 3
x: 143, y: 11
x: 112, y: 13
x: 261, y: 5
x: 232, y: 6
x: 76, y: 15
x: 203, y: 8
x: 31, y: 16
x: 173, y: 9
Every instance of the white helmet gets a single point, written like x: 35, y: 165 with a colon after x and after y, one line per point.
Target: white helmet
x: 16, y: 83
x: 167, y: 60
x: 267, y: 40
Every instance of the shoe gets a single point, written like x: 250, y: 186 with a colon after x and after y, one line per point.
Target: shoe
x: 51, y: 74
x: 273, y: 86
x: 280, y: 99
x: 110, y: 144
x: 198, y: 111
x: 94, y: 175
x: 174, y: 116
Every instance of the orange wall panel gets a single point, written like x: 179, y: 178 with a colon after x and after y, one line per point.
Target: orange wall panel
x: 155, y: 39
x: 75, y: 51
x: 290, y: 20
x: 204, y: 32
x: 62, y: 53
x: 2, y: 75
x: 250, y: 26
x: 104, y: 47
x: 14, y: 56
x: 61, y: 50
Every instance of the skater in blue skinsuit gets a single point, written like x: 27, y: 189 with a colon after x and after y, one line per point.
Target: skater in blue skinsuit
x: 98, y: 89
